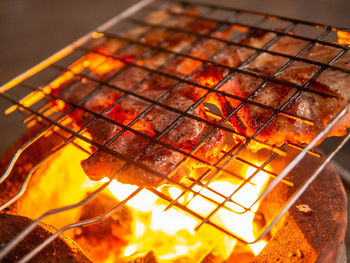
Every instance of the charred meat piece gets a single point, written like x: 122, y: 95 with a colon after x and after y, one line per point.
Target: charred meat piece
x: 318, y: 108
x: 118, y: 109
x: 185, y: 134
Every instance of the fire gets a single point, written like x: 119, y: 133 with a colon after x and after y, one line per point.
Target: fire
x: 94, y: 62
x: 343, y: 37
x: 171, y: 234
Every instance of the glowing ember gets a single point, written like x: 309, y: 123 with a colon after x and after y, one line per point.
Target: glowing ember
x: 343, y: 37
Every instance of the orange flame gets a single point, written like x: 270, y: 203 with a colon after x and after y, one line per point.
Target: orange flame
x: 343, y: 37
x: 170, y: 234
x: 96, y: 63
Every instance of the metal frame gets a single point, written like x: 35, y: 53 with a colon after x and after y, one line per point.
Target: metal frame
x: 213, y: 170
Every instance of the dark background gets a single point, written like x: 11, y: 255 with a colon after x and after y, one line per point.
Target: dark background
x: 30, y: 31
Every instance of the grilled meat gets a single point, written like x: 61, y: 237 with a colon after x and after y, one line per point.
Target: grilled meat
x: 120, y: 109
x: 185, y: 135
x: 132, y: 127
x: 250, y: 119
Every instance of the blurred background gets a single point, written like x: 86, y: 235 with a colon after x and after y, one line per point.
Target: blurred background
x: 30, y: 31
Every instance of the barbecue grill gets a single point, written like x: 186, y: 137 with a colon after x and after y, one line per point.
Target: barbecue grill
x: 35, y: 101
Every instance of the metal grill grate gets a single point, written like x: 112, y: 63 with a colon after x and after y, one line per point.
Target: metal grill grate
x: 238, y: 153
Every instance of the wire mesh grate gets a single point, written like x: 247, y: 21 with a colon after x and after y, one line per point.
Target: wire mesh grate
x: 185, y: 48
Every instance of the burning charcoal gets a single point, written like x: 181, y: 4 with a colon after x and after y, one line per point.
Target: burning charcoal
x: 62, y: 249
x: 147, y: 258
x: 212, y: 258
x: 106, y: 238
